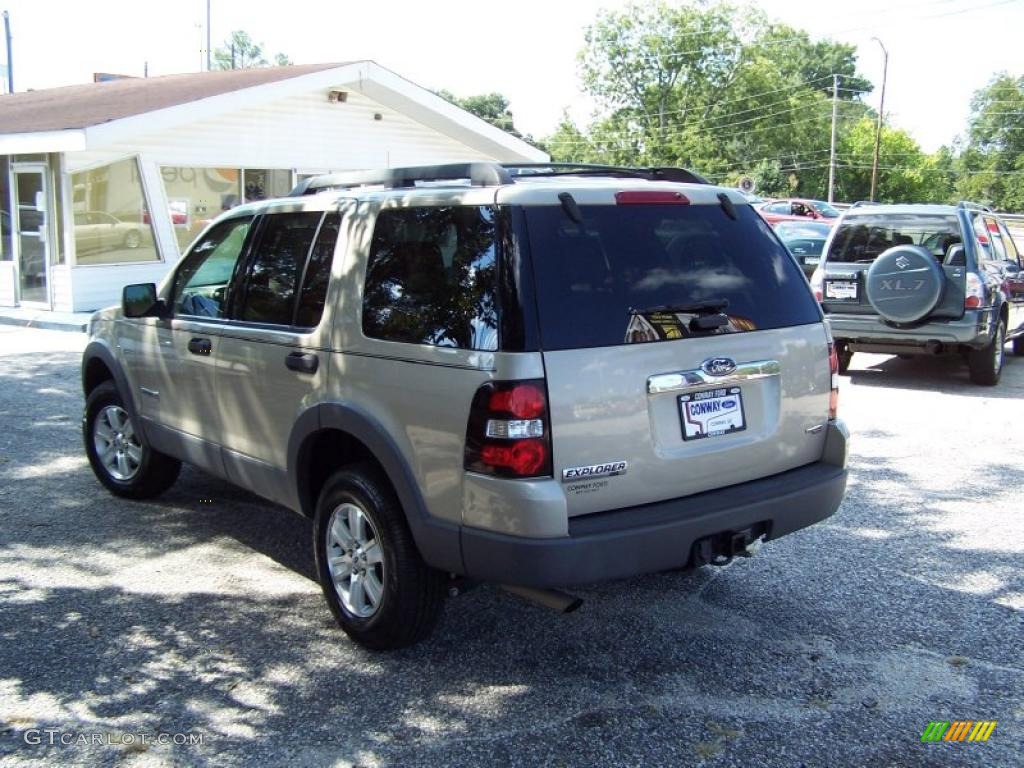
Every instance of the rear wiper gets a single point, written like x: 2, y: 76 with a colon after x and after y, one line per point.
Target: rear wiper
x: 709, y: 307
x: 708, y: 313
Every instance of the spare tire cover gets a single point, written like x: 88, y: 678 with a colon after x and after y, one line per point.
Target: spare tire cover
x: 905, y: 283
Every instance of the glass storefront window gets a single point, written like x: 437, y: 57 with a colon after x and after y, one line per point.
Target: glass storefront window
x: 111, y: 225
x: 266, y: 183
x: 6, y: 228
x: 196, y: 196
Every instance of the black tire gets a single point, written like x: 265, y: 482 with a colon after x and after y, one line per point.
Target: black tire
x: 151, y: 475
x: 986, y: 364
x: 845, y: 357
x: 412, y: 595
x: 1018, y: 346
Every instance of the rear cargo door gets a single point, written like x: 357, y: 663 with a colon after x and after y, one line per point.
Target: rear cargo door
x: 683, y: 350
x: 860, y: 239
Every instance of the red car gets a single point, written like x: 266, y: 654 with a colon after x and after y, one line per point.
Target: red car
x: 795, y: 209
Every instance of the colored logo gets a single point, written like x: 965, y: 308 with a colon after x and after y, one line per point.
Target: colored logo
x: 959, y: 730
x: 718, y: 366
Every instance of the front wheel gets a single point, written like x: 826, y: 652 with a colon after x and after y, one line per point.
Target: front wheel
x: 987, y: 363
x: 379, y: 589
x: 118, y: 456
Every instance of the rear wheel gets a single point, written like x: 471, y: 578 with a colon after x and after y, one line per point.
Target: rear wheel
x: 118, y: 456
x: 378, y: 587
x: 845, y: 357
x: 987, y: 363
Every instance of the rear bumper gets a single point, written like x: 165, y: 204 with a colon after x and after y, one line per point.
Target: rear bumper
x: 974, y: 329
x: 660, y: 536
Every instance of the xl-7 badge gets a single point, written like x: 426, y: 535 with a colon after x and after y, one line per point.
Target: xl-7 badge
x: 608, y: 469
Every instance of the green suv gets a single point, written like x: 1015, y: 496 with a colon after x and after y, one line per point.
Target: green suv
x: 923, y: 280
x: 534, y: 376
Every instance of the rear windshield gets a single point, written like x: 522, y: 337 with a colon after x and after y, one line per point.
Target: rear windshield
x: 860, y: 239
x: 640, y: 273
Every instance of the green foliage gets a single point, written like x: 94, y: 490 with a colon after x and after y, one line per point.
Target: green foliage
x: 720, y: 89
x: 992, y: 164
x: 492, y: 107
x: 240, y: 51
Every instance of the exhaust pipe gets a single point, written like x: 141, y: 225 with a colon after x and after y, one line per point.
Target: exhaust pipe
x: 549, y: 598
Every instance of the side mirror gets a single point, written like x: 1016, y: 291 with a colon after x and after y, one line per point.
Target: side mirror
x: 140, y: 300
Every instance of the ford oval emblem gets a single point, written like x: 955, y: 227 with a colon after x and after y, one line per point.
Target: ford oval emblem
x: 718, y: 366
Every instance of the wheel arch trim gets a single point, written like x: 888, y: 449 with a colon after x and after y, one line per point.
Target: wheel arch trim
x: 437, y: 540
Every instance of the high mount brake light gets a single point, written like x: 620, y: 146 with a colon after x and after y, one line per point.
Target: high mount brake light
x: 509, y: 433
x: 650, y: 197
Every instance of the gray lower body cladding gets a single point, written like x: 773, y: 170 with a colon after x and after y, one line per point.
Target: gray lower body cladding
x: 974, y: 329
x: 655, y: 537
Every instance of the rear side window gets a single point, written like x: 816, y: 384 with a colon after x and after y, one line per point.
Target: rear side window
x: 276, y: 267
x: 431, y: 277
x: 637, y: 273
x: 861, y: 239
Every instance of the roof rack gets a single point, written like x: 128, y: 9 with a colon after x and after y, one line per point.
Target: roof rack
x: 969, y: 206
x: 483, y: 175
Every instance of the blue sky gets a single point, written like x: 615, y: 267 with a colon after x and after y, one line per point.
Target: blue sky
x: 940, y: 50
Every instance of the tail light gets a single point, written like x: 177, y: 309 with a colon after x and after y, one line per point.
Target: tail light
x: 817, y: 279
x: 833, y: 364
x: 974, y: 295
x: 650, y: 197
x: 509, y: 432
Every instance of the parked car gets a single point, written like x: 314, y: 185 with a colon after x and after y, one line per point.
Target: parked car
x: 924, y: 279
x: 531, y: 376
x: 99, y: 231
x: 805, y: 240
x: 798, y: 210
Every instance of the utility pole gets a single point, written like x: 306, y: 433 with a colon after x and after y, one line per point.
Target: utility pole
x: 881, y: 113
x: 208, y: 35
x: 832, y: 149
x: 10, y: 55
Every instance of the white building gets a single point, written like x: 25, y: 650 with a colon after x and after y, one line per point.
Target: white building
x: 105, y: 184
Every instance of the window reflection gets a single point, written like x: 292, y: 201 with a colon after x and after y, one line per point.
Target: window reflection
x: 110, y: 223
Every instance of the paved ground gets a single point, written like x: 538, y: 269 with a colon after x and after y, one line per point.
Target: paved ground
x: 835, y: 646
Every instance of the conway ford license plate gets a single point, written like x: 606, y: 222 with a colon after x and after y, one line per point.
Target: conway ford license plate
x: 842, y: 290
x: 711, y: 413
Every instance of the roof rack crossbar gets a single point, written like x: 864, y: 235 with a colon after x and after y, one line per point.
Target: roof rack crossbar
x: 478, y: 174
x: 484, y: 174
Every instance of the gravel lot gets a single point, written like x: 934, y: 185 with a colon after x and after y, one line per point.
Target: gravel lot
x: 835, y: 646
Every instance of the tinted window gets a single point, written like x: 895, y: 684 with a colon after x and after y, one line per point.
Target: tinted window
x: 201, y: 283
x: 860, y: 239
x: 276, y: 267
x: 604, y: 282
x: 431, y: 277
x: 318, y: 274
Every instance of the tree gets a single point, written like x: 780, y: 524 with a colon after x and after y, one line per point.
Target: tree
x: 714, y: 87
x: 492, y: 107
x: 239, y: 51
x: 992, y: 164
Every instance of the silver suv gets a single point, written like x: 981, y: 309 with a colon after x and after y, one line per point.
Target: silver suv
x: 923, y: 279
x: 535, y: 376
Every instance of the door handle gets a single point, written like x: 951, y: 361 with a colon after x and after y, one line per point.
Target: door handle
x: 200, y: 346
x: 303, y: 362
